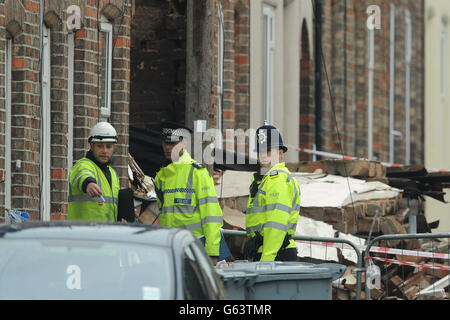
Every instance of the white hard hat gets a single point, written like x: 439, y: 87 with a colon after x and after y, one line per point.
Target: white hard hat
x: 103, y: 132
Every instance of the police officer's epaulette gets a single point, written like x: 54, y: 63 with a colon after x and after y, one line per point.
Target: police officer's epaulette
x: 198, y: 165
x: 273, y: 173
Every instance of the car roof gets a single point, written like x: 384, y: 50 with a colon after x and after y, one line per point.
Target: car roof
x: 80, y: 230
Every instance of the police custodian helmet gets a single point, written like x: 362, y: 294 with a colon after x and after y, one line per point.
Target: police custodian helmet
x: 268, y: 137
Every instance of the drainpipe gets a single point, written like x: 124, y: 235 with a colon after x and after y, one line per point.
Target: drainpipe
x: 318, y: 67
x: 345, y: 66
x: 41, y: 145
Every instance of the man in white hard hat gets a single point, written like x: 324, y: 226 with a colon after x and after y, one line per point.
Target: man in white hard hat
x: 93, y: 184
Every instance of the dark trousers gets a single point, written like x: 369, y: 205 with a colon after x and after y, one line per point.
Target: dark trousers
x: 289, y: 254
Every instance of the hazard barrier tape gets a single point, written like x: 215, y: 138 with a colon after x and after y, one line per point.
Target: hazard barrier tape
x: 409, y: 253
x: 411, y: 264
x: 344, y: 157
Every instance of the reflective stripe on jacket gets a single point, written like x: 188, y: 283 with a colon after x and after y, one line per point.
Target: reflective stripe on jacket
x: 187, y: 199
x: 81, y: 205
x: 274, y: 210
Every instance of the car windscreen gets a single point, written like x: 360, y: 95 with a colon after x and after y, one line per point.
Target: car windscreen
x: 79, y: 269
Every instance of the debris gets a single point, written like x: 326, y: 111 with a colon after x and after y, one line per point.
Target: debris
x: 235, y: 219
x: 141, y: 184
x: 368, y: 200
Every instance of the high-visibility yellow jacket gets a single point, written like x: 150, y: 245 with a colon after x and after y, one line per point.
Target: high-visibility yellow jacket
x: 187, y: 199
x: 83, y: 207
x: 273, y: 211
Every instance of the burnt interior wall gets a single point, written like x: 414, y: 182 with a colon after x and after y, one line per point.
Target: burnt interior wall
x: 158, y: 62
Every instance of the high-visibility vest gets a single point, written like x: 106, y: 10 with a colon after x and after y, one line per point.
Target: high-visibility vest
x: 187, y: 199
x: 81, y: 205
x: 273, y: 211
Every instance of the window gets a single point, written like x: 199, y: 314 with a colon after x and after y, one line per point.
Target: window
x: 210, y: 277
x: 106, y: 65
x: 193, y: 282
x: 8, y: 60
x: 84, y: 269
x: 269, y: 48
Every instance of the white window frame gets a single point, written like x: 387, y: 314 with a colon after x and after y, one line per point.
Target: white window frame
x: 443, y: 80
x: 220, y: 57
x: 8, y: 167
x: 408, y: 45
x: 392, y: 87
x: 269, y: 43
x: 105, y: 110
x: 371, y: 67
x: 46, y: 127
x: 70, y: 110
x: 443, y: 51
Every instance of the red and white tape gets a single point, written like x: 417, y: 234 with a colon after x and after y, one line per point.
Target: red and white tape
x: 409, y: 253
x: 411, y: 264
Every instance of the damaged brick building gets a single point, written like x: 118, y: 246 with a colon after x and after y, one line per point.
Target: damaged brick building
x: 234, y: 63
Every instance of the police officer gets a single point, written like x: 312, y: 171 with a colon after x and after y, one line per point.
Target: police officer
x: 274, y: 202
x: 186, y: 193
x: 93, y: 183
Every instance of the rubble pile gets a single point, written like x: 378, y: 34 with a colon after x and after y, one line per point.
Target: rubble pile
x: 403, y: 277
x: 354, y: 198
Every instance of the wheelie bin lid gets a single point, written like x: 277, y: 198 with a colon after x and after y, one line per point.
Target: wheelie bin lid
x: 273, y: 268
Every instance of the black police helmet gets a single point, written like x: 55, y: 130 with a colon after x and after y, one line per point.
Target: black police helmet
x: 173, y: 132
x: 268, y: 137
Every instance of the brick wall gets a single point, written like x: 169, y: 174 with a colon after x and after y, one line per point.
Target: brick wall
x: 158, y: 62
x: 25, y: 126
x: 59, y: 115
x: 242, y: 63
x: 236, y: 67
x: 22, y: 20
x: 345, y: 48
x: 2, y: 110
x: 121, y: 86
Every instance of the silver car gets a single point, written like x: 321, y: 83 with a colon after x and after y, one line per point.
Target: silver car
x: 87, y: 260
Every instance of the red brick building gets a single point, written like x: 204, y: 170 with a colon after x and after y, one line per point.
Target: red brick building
x: 375, y: 109
x: 372, y: 106
x: 377, y: 80
x: 60, y: 74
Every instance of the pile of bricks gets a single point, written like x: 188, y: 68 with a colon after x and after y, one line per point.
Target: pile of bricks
x: 357, y: 217
x: 399, y: 281
x: 370, y: 170
x: 381, y: 216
